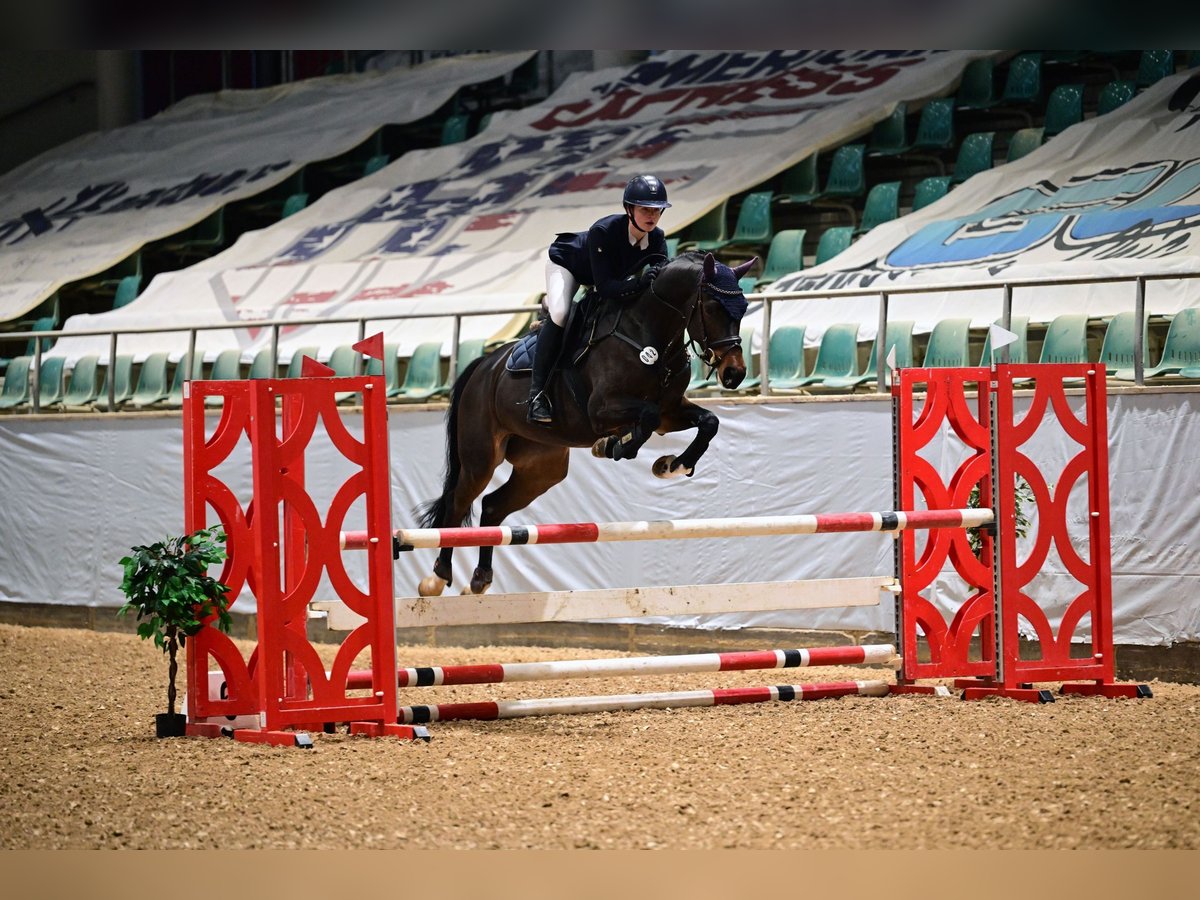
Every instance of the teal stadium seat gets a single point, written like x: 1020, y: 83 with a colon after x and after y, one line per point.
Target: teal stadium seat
x: 388, y: 367
x: 468, y: 352
x: 753, y: 224
x: 837, y: 356
x: 16, y: 383
x: 226, y: 367
x: 930, y: 190
x: 293, y: 204
x: 708, y: 228
x: 120, y: 376
x: 889, y: 137
x: 882, y: 205
x: 1018, y: 351
x: 1023, y: 86
x: 935, y: 130
x: 455, y: 128
x: 1065, y: 340
x: 784, y: 256
x: 127, y: 291
x: 424, y: 376
x: 897, y: 337
x: 974, y: 156
x: 847, y: 175
x: 785, y: 358
x: 1155, y: 65
x: 833, y: 241
x: 1114, y: 95
x: 296, y: 364
x: 977, y: 90
x: 799, y: 183
x: 948, y: 344
x: 261, y: 366
x: 1022, y: 143
x: 82, y: 385
x: 50, y: 381
x: 1063, y: 109
x: 1116, y: 352
x: 1181, y: 350
x: 152, y: 386
x: 375, y: 163
x: 174, y: 398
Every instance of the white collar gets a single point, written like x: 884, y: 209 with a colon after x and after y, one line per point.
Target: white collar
x: 642, y: 244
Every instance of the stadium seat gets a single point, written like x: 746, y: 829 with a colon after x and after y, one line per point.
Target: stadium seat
x: 1064, y: 109
x: 375, y: 163
x: 847, y: 176
x: 293, y: 204
x: 935, y: 130
x: 898, y: 337
x: 16, y: 383
x: 1181, y: 351
x: 1116, y: 352
x: 127, y: 291
x: 974, y: 156
x: 174, y: 398
x: 297, y: 360
x: 747, y: 284
x: 468, y: 351
x: 454, y: 129
x: 1066, y: 340
x: 1022, y: 143
x: 837, y: 356
x: 948, y: 344
x: 261, y: 366
x: 109, y: 280
x: 833, y: 241
x: 120, y: 376
x: 930, y: 190
x: 424, y: 376
x: 1023, y: 86
x: 1154, y: 66
x: 227, y: 367
x: 152, y: 384
x: 672, y: 247
x: 784, y: 256
x: 882, y: 205
x: 753, y: 224
x: 709, y: 227
x: 1113, y: 95
x: 785, y: 359
x: 82, y: 386
x: 1018, y: 351
x: 50, y: 381
x: 799, y: 184
x: 344, y: 361
x: 388, y: 367
x: 889, y: 137
x: 977, y: 90
x: 46, y: 323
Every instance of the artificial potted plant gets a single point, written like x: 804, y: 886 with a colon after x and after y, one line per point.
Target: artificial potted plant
x: 169, y: 586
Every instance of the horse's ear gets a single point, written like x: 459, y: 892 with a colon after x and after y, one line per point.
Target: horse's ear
x: 710, y: 266
x: 741, y: 270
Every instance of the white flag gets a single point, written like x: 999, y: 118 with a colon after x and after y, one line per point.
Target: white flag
x: 1000, y: 337
x: 890, y: 359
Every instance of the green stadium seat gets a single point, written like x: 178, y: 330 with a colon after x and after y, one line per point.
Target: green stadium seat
x: 1065, y: 340
x: 889, y: 137
x: 1022, y: 143
x: 977, y: 90
x: 1114, y: 95
x: 753, y: 224
x: 747, y: 284
x: 1116, y: 352
x: 174, y: 398
x: 82, y: 385
x: 1018, y: 351
x: 344, y: 361
x: 455, y: 128
x: 468, y: 352
x: 388, y: 367
x: 46, y: 323
x: 974, y: 156
x: 293, y: 204
x: 832, y: 242
x: 16, y: 383
x: 882, y: 205
x: 930, y: 190
x: 935, y: 130
x: 152, y: 386
x: 1064, y: 109
x: 672, y: 247
x: 1023, y: 86
x: 1155, y: 65
x: 297, y: 360
x: 127, y: 291
x: 424, y: 376
x: 948, y: 344
x: 847, y: 175
x: 120, y: 375
x: 784, y: 256
x: 799, y: 183
x: 785, y: 359
x: 109, y: 280
x: 1181, y: 350
x: 226, y: 367
x: 898, y: 337
x: 709, y: 227
x: 50, y: 381
x: 375, y: 163
x: 837, y: 356
x: 261, y: 366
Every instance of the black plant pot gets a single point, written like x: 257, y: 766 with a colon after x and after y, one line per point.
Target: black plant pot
x: 170, y: 725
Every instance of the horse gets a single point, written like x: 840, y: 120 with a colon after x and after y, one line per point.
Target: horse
x: 629, y: 384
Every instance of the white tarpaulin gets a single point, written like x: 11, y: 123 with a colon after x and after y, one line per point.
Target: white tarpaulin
x: 1116, y: 195
x: 81, y: 490
x: 468, y: 225
x: 81, y: 208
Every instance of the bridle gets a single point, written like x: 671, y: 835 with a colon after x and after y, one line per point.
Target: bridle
x: 711, y: 352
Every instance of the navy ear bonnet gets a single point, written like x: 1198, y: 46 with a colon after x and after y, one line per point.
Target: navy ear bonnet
x: 723, y: 286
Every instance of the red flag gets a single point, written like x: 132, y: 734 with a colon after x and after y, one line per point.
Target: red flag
x: 310, y: 368
x: 372, y: 346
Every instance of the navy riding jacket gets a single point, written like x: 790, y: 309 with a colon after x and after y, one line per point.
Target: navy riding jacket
x: 603, y: 257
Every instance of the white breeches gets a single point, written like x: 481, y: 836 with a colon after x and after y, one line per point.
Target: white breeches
x: 560, y: 291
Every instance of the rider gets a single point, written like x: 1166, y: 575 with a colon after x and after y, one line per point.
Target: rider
x: 606, y: 256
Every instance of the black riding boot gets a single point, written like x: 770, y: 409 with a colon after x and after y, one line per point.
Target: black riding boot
x: 549, y: 344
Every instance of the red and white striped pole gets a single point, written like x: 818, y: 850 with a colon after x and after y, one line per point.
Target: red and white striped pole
x: 737, y: 661
x: 668, y: 529
x: 515, y: 709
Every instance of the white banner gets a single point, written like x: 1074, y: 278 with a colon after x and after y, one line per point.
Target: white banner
x: 468, y: 225
x: 1117, y: 195
x: 81, y: 208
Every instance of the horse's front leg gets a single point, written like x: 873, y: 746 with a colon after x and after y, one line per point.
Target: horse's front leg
x: 687, y: 415
x: 624, y: 445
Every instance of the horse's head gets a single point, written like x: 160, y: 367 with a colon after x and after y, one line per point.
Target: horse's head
x: 716, y: 327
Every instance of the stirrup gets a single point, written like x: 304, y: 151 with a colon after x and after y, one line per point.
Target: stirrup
x: 540, y: 411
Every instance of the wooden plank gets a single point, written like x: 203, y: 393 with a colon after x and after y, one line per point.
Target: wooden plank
x: 619, y: 603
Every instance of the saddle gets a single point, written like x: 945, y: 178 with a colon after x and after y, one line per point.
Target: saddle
x: 577, y: 338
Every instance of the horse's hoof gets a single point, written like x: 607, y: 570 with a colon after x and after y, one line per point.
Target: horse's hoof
x: 432, y: 586
x: 481, y: 581
x: 665, y: 467
x: 601, y: 449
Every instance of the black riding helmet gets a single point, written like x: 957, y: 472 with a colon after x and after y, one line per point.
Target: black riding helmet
x: 646, y: 190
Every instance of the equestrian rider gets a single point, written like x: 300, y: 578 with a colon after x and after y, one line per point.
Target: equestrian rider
x: 606, y: 256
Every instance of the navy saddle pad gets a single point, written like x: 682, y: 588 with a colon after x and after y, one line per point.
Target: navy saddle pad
x: 521, y: 359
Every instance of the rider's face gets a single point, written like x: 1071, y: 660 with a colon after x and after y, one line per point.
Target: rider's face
x: 646, y: 218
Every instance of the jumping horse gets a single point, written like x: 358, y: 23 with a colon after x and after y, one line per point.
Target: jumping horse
x: 629, y: 384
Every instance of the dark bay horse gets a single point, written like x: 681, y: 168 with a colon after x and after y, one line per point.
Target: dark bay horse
x: 629, y: 385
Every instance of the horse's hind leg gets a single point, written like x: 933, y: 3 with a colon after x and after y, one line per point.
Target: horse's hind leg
x: 536, y: 469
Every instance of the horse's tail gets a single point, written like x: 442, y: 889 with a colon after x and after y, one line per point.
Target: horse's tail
x: 431, y: 514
